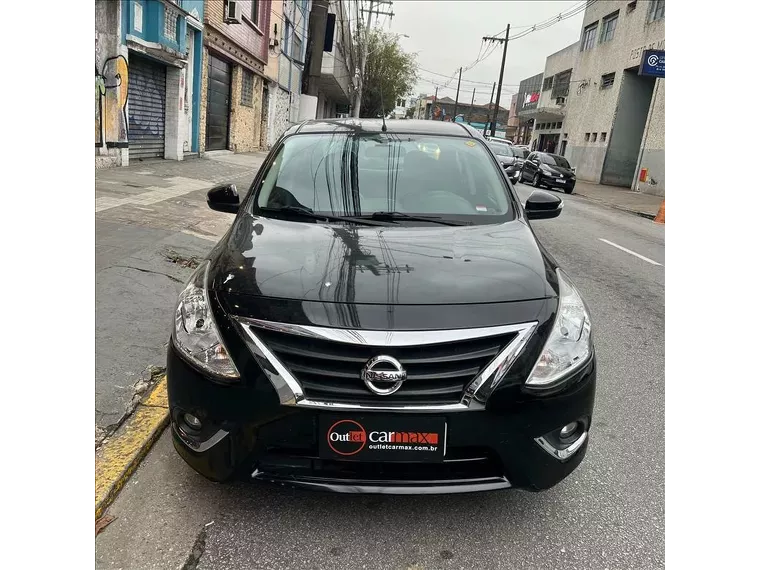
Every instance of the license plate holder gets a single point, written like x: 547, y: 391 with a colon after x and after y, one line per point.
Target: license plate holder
x: 378, y: 437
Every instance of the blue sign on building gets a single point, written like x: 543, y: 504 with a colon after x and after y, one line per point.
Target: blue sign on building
x: 653, y: 63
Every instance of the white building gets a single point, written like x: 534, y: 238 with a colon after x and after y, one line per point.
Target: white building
x: 615, y: 117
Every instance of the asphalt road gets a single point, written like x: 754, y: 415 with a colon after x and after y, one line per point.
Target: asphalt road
x: 609, y: 514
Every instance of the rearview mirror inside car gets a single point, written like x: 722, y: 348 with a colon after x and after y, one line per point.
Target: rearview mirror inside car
x: 224, y: 198
x: 542, y: 206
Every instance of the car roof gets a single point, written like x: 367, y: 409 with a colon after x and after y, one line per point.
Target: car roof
x: 409, y: 126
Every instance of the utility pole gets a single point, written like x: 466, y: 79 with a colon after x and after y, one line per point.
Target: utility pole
x: 456, y: 101
x: 364, y: 52
x: 363, y: 64
x: 489, y: 108
x: 505, y: 41
x: 472, y: 102
x: 435, y: 100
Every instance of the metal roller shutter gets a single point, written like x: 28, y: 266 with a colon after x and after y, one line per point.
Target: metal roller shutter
x: 147, y: 101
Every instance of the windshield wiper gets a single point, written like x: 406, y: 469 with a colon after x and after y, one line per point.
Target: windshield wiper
x: 391, y: 216
x: 309, y: 213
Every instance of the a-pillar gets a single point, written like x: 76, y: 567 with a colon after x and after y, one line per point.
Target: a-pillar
x: 174, y: 135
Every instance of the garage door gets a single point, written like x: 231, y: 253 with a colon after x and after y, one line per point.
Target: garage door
x: 218, y: 107
x: 147, y: 100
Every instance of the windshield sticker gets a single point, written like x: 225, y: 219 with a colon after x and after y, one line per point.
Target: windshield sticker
x: 481, y: 208
x: 470, y: 143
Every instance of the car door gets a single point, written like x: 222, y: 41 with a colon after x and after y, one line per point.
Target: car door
x: 530, y: 168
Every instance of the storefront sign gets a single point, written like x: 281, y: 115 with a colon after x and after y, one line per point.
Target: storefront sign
x: 652, y: 63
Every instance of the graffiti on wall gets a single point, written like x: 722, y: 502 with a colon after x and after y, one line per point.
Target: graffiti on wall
x: 111, y: 90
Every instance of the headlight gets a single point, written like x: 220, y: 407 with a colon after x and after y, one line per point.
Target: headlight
x: 195, y: 333
x: 569, y: 345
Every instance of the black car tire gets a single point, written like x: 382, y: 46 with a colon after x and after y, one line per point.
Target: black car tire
x: 520, y: 177
x: 537, y: 180
x: 569, y: 190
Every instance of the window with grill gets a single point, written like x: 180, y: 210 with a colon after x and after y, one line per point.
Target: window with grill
x: 548, y: 83
x: 608, y: 27
x: 170, y: 24
x: 255, y: 11
x: 608, y: 79
x: 656, y: 10
x: 589, y: 36
x: 246, y: 93
x: 562, y: 84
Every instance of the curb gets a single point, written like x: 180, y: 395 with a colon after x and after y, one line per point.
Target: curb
x: 616, y: 207
x: 118, y: 458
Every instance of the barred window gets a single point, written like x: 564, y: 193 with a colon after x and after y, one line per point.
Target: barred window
x: 608, y: 79
x: 246, y: 95
x: 548, y: 83
x: 170, y: 24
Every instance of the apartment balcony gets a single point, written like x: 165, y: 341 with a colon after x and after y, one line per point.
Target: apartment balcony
x: 335, y: 79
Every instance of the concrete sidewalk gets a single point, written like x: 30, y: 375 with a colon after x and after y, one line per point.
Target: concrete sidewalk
x: 152, y: 226
x: 645, y: 205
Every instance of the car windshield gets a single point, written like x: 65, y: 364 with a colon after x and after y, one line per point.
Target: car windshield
x: 501, y: 149
x: 555, y: 160
x: 358, y: 174
x: 521, y: 152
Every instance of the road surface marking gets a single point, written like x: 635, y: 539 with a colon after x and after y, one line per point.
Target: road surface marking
x: 620, y: 247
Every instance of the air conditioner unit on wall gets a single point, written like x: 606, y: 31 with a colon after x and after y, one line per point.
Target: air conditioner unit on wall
x: 232, y: 12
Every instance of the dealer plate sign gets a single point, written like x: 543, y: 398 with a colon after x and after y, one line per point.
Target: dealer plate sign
x: 382, y: 438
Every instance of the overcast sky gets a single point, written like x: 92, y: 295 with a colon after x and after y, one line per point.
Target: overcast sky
x: 447, y: 35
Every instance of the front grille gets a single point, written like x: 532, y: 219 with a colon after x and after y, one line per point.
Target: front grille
x: 331, y: 371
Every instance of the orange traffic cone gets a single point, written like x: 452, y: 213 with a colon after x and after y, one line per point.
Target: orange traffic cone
x: 660, y: 217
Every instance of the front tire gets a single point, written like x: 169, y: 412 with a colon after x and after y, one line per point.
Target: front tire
x: 569, y: 190
x: 537, y: 180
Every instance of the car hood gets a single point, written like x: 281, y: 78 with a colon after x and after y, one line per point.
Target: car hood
x: 393, y: 265
x: 560, y: 170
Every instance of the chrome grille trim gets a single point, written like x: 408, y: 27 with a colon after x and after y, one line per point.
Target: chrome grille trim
x: 290, y: 391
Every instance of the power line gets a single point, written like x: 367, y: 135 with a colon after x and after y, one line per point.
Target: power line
x: 574, y: 10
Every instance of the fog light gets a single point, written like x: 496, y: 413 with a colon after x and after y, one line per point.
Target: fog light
x: 568, y: 430
x: 192, y: 422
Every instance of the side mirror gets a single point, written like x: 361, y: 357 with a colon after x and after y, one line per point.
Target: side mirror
x: 542, y: 206
x: 224, y: 198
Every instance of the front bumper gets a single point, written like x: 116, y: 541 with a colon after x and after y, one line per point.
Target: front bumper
x: 564, y: 183
x: 248, y: 434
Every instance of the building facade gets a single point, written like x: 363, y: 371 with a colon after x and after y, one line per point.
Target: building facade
x: 235, y: 51
x: 615, y: 123
x: 336, y: 84
x: 528, y: 96
x: 147, y: 80
x: 513, y: 122
x: 548, y: 115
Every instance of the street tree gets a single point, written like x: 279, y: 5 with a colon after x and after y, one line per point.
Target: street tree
x: 390, y: 74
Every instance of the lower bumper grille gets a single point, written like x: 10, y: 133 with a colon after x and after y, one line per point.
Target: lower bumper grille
x: 330, y: 370
x: 461, y: 466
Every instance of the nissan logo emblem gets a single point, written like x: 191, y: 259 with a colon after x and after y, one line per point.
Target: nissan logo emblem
x: 383, y: 375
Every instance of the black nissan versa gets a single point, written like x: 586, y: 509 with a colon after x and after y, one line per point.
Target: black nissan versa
x: 380, y: 318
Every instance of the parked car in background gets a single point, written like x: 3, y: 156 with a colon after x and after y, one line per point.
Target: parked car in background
x: 498, y: 140
x: 369, y: 330
x: 550, y: 170
x: 521, y: 152
x: 510, y: 160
